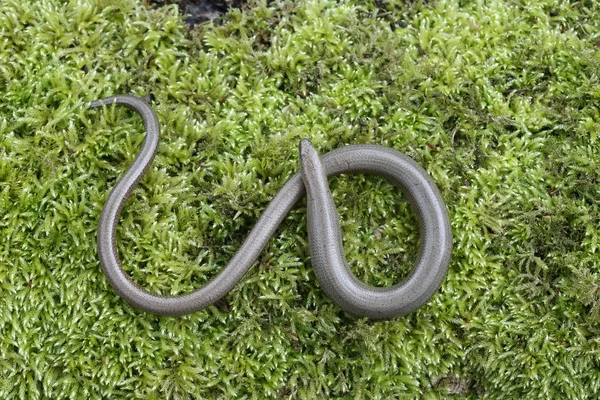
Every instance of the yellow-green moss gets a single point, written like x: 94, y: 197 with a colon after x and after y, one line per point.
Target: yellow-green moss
x: 498, y: 100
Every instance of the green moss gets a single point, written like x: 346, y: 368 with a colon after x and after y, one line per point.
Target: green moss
x: 498, y: 100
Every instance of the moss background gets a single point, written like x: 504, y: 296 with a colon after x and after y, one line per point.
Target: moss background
x: 498, y: 100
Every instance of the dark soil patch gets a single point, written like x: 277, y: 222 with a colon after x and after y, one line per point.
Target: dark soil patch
x: 197, y: 11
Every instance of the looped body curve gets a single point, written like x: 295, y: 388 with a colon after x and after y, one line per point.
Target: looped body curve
x: 327, y: 255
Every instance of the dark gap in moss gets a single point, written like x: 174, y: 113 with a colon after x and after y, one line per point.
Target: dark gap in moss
x: 198, y: 11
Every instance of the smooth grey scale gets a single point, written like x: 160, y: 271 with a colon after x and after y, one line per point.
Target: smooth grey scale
x: 325, y: 240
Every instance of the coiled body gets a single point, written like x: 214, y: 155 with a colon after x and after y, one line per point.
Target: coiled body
x: 327, y: 255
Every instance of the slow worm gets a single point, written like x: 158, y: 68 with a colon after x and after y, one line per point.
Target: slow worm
x: 325, y: 240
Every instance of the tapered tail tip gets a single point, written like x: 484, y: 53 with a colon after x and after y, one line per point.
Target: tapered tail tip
x: 103, y: 102
x: 93, y: 104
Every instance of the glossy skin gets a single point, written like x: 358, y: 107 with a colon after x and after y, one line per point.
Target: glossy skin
x: 327, y: 254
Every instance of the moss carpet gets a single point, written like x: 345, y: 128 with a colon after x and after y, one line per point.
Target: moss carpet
x: 498, y: 100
